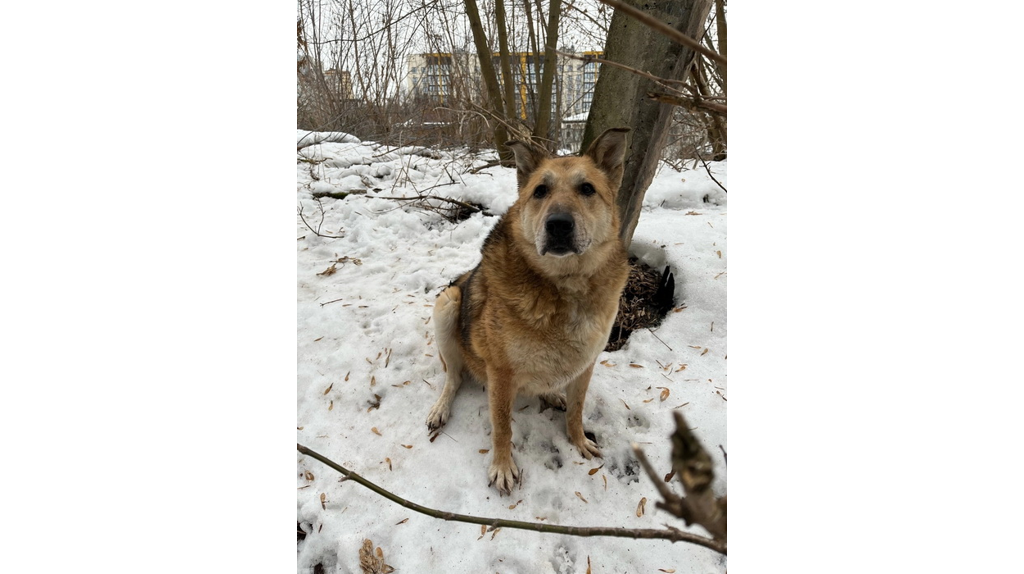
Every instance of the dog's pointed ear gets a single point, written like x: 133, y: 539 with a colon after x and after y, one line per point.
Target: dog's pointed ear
x: 528, y: 157
x: 609, y: 152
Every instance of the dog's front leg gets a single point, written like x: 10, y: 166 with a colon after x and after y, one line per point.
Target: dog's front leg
x: 575, y: 394
x: 501, y: 394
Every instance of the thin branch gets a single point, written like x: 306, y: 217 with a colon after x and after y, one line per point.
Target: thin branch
x: 708, y: 169
x: 671, y: 534
x: 658, y: 338
x: 437, y: 197
x: 663, y: 489
x: 491, y: 163
x: 693, y: 468
x: 317, y: 230
x: 662, y: 81
x: 665, y: 29
x: 514, y: 133
x: 690, y: 102
x: 600, y: 26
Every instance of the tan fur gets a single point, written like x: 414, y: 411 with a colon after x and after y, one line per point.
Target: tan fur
x: 529, y: 323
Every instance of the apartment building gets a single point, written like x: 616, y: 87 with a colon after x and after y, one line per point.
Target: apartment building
x: 445, y: 77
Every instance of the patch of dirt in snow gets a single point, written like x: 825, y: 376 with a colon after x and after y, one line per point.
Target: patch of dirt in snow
x: 645, y: 301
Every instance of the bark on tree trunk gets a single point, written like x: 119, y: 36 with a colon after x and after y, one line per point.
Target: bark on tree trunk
x: 620, y: 98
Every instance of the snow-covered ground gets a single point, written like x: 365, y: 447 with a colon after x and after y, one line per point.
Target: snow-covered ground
x: 368, y: 373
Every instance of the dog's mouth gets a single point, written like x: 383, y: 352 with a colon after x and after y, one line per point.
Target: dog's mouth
x: 559, y: 237
x: 558, y: 248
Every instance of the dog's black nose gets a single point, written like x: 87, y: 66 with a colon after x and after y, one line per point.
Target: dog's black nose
x: 559, y: 225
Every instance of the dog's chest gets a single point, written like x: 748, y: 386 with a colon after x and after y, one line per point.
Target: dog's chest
x: 563, y: 344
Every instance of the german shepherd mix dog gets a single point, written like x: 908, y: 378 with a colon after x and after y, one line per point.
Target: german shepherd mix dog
x: 536, y: 312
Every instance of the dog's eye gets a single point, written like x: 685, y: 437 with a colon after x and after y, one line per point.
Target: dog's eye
x: 540, y: 191
x: 587, y: 189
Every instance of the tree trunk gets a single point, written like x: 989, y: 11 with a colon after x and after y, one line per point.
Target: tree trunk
x: 620, y: 97
x: 722, y: 33
x: 556, y: 128
x: 544, y: 100
x: 507, y: 79
x: 490, y: 83
x: 532, y: 33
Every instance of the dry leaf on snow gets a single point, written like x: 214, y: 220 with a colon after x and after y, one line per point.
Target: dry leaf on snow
x: 371, y: 562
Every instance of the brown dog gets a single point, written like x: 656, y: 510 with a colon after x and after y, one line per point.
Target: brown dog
x: 536, y: 312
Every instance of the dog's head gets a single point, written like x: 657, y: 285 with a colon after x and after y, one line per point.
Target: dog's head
x: 568, y: 203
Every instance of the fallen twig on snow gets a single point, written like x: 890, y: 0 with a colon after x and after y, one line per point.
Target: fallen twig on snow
x: 317, y: 230
x: 461, y: 211
x: 437, y: 197
x: 337, y: 194
x: 671, y: 534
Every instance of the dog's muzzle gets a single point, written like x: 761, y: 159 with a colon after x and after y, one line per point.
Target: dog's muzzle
x: 559, y: 234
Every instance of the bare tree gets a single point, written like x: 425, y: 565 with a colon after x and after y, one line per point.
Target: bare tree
x: 540, y: 130
x: 620, y: 97
x: 490, y: 81
x: 507, y: 80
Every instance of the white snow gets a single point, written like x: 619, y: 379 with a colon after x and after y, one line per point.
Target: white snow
x: 365, y: 338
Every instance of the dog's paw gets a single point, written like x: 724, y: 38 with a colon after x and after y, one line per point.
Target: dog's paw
x: 438, y: 416
x: 552, y: 401
x: 503, y: 475
x: 588, y: 448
